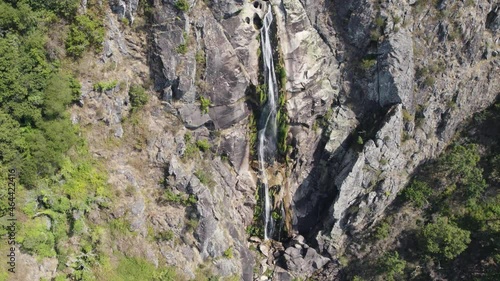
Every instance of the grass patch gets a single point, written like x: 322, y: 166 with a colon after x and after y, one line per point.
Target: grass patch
x: 105, y: 86
x: 182, y: 5
x: 182, y: 49
x: 205, y: 178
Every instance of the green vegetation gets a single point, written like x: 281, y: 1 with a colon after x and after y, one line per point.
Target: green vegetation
x: 200, y: 58
x: 59, y: 182
x: 166, y: 235
x: 392, y: 266
x: 417, y: 193
x: 103, y: 86
x: 407, y: 117
x: 228, y: 253
x: 444, y: 238
x: 138, y: 97
x: 179, y: 198
x: 255, y: 228
x: 359, y: 140
x: 203, y: 145
x: 450, y: 220
x: 182, y: 49
x: 368, y: 63
x: 182, y: 5
x: 205, y: 103
x: 382, y: 231
x: 37, y: 239
x: 87, y: 31
x: 375, y: 35
x: 282, y: 115
x: 193, y: 148
x: 379, y: 21
x: 205, y: 178
x: 132, y: 269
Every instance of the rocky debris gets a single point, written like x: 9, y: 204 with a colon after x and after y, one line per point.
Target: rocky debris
x: 124, y: 8
x: 303, y: 261
x: 193, y: 116
x: 493, y: 19
x: 29, y: 268
x: 395, y: 73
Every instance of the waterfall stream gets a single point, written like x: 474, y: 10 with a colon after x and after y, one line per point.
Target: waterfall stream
x: 267, y: 135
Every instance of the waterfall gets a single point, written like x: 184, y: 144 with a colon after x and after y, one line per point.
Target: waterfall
x: 267, y: 134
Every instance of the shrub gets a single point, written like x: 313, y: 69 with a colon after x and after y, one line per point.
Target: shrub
x: 166, y: 235
x: 200, y: 58
x: 461, y: 163
x: 182, y: 5
x: 85, y: 32
x: 204, y: 104
x: 375, y: 34
x: 204, y: 178
x: 391, y: 265
x: 138, y: 96
x: 382, y: 231
x: 367, y: 64
x: 444, y: 239
x: 429, y: 81
x: 203, y: 145
x: 60, y: 92
x: 379, y: 21
x: 119, y: 226
x: 359, y: 140
x: 407, y: 117
x: 191, y: 151
x: 228, y: 253
x: 36, y: 238
x: 105, y: 86
x: 172, y: 197
x: 181, y: 49
x: 417, y: 193
x: 192, y: 224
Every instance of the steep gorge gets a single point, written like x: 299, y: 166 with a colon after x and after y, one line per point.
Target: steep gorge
x: 371, y: 90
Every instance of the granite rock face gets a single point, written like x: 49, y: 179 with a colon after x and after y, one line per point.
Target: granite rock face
x: 373, y: 89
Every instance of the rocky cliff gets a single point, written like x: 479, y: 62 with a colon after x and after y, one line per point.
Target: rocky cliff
x: 372, y: 90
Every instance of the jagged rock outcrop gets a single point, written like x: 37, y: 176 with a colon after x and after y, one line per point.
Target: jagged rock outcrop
x: 373, y: 90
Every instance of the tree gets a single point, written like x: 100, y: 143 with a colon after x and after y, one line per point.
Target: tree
x: 461, y: 164
x: 392, y: 265
x: 444, y: 239
x: 417, y: 193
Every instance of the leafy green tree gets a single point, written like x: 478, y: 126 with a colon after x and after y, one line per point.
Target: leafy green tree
x: 65, y: 8
x: 391, y: 265
x: 138, y: 96
x: 85, y: 32
x: 418, y: 193
x: 444, y: 238
x: 36, y: 238
x: 59, y: 94
x: 461, y: 164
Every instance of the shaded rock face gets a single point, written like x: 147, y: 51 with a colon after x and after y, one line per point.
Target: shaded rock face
x: 344, y: 168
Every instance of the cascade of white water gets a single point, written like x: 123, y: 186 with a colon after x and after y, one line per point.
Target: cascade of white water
x: 267, y: 133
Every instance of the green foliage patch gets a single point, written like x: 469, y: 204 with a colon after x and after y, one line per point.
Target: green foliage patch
x: 444, y: 238
x: 205, y: 103
x: 182, y: 5
x: 138, y: 97
x: 87, y: 31
x: 392, y: 266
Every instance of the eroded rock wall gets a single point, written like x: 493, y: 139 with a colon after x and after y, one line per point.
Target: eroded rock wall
x: 373, y: 89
